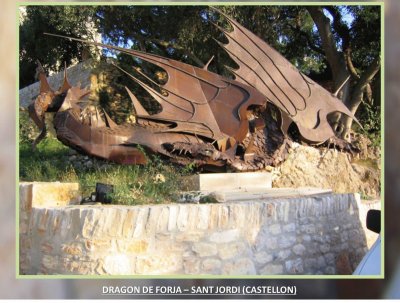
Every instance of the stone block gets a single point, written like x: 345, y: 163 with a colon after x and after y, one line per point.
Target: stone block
x: 283, y: 254
x: 182, y: 219
x: 288, y: 228
x: 50, y: 194
x: 97, y: 245
x: 193, y: 236
x: 173, y: 214
x: 117, y: 264
x: 136, y: 247
x: 141, y: 222
x: 204, y: 249
x: 299, y: 249
x: 203, y: 217
x: 128, y: 225
x: 46, y: 247
x: 263, y: 257
x: 49, y: 263
x: 191, y: 266
x: 230, y: 181
x: 231, y: 250
x: 275, y: 229
x: 243, y: 266
x: 72, y: 249
x: 25, y: 197
x: 286, y: 241
x: 294, y: 266
x: 272, y: 269
x: 159, y: 264
x: 225, y: 236
x: 211, y: 266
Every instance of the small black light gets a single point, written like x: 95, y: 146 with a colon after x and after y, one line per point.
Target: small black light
x: 374, y: 220
x: 104, y: 192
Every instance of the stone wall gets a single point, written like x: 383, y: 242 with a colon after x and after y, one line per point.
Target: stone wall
x: 300, y: 235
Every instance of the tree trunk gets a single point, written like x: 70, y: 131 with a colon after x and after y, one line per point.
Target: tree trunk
x: 357, y: 96
x: 342, y: 66
x: 334, y: 58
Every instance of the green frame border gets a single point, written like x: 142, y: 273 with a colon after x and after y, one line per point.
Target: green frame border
x: 208, y: 277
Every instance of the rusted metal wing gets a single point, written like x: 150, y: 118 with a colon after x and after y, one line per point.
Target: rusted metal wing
x: 205, y: 119
x: 300, y: 99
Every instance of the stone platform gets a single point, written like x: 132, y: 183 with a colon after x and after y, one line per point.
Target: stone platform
x: 285, y: 232
x: 229, y: 181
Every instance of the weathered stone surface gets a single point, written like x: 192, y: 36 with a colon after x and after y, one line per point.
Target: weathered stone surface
x: 263, y: 257
x: 272, y: 269
x: 72, y: 249
x: 299, y: 249
x: 211, y: 266
x: 117, y: 264
x: 205, y: 249
x: 280, y: 236
x: 191, y: 266
x: 283, y: 254
x: 324, y: 248
x: 289, y: 227
x: 54, y: 194
x: 275, y: 229
x: 159, y: 264
x: 136, y: 246
x: 231, y: 250
x: 294, y: 266
x: 225, y: 236
x: 222, y: 181
x: 286, y: 242
x: 308, y: 166
x: 243, y: 266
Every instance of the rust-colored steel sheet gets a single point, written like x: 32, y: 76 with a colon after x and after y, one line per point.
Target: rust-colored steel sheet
x: 206, y: 118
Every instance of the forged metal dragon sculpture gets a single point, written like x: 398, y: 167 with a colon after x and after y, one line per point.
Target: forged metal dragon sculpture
x: 205, y: 119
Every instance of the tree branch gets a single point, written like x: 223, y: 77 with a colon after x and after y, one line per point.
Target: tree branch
x: 310, y: 43
x: 367, y: 77
x: 349, y: 63
x: 166, y: 44
x: 328, y: 42
x: 339, y: 26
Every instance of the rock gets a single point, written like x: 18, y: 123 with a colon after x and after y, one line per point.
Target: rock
x: 159, y: 178
x: 311, y: 167
x: 214, y: 197
x: 205, y: 249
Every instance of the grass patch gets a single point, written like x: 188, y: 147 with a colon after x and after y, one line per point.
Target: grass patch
x: 155, y: 182
x: 49, y: 162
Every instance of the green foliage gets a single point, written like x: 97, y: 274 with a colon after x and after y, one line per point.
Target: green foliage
x: 366, y: 33
x: 370, y: 119
x: 51, y: 52
x: 47, y: 163
x: 27, y: 130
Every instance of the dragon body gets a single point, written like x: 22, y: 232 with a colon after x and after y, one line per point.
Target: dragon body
x: 205, y: 118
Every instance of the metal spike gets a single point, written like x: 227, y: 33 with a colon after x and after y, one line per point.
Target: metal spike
x: 205, y: 67
x: 139, y: 109
x: 66, y: 85
x: 44, y: 84
x: 110, y: 123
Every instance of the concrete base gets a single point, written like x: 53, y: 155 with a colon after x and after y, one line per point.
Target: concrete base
x: 256, y: 195
x: 229, y: 181
x: 241, y: 195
